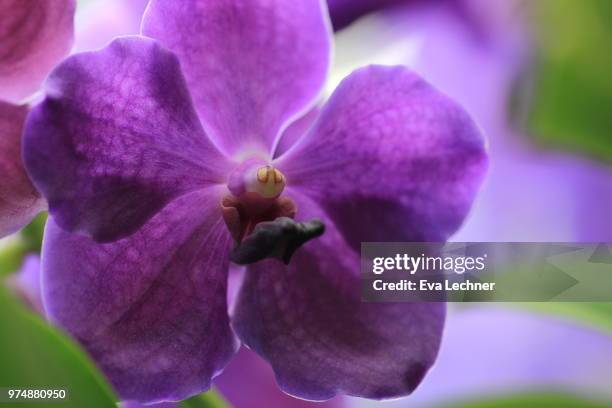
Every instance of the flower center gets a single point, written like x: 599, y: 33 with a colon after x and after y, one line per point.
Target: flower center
x: 255, y: 177
x: 255, y: 197
x: 269, y: 182
x: 259, y: 218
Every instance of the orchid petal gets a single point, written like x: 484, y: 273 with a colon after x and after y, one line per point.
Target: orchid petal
x: 151, y: 309
x: 116, y: 139
x: 252, y: 66
x: 307, y: 319
x: 390, y: 159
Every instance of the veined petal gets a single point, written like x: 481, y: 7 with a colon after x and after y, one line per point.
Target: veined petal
x: 116, y: 139
x: 151, y: 309
x: 252, y: 66
x: 308, y: 321
x: 19, y: 200
x: 34, y: 36
x: 390, y: 159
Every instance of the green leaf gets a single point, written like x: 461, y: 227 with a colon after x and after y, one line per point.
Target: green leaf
x: 34, y: 355
x: 12, y: 252
x: 571, y: 106
x: 540, y: 400
x: 16, y: 247
x: 32, y: 234
x: 210, y: 399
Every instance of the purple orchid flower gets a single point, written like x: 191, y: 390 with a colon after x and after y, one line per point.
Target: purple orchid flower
x: 162, y: 167
x: 32, y: 39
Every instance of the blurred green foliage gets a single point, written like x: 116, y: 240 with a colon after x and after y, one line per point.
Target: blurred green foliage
x: 571, y: 106
x: 594, y: 314
x: 36, y: 356
x: 12, y: 253
x: 32, y: 234
x: 539, y: 400
x: 210, y: 399
x: 28, y: 240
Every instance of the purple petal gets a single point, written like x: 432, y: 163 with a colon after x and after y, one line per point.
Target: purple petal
x: 390, y: 159
x: 116, y: 139
x: 248, y: 378
x: 19, y: 200
x: 34, y: 36
x: 151, y: 308
x: 252, y: 66
x: 308, y: 321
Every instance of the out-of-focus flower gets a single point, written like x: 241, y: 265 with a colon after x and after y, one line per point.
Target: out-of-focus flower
x: 26, y: 283
x: 545, y: 196
x: 34, y: 36
x: 100, y: 21
x: 19, y: 200
x: 152, y: 157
